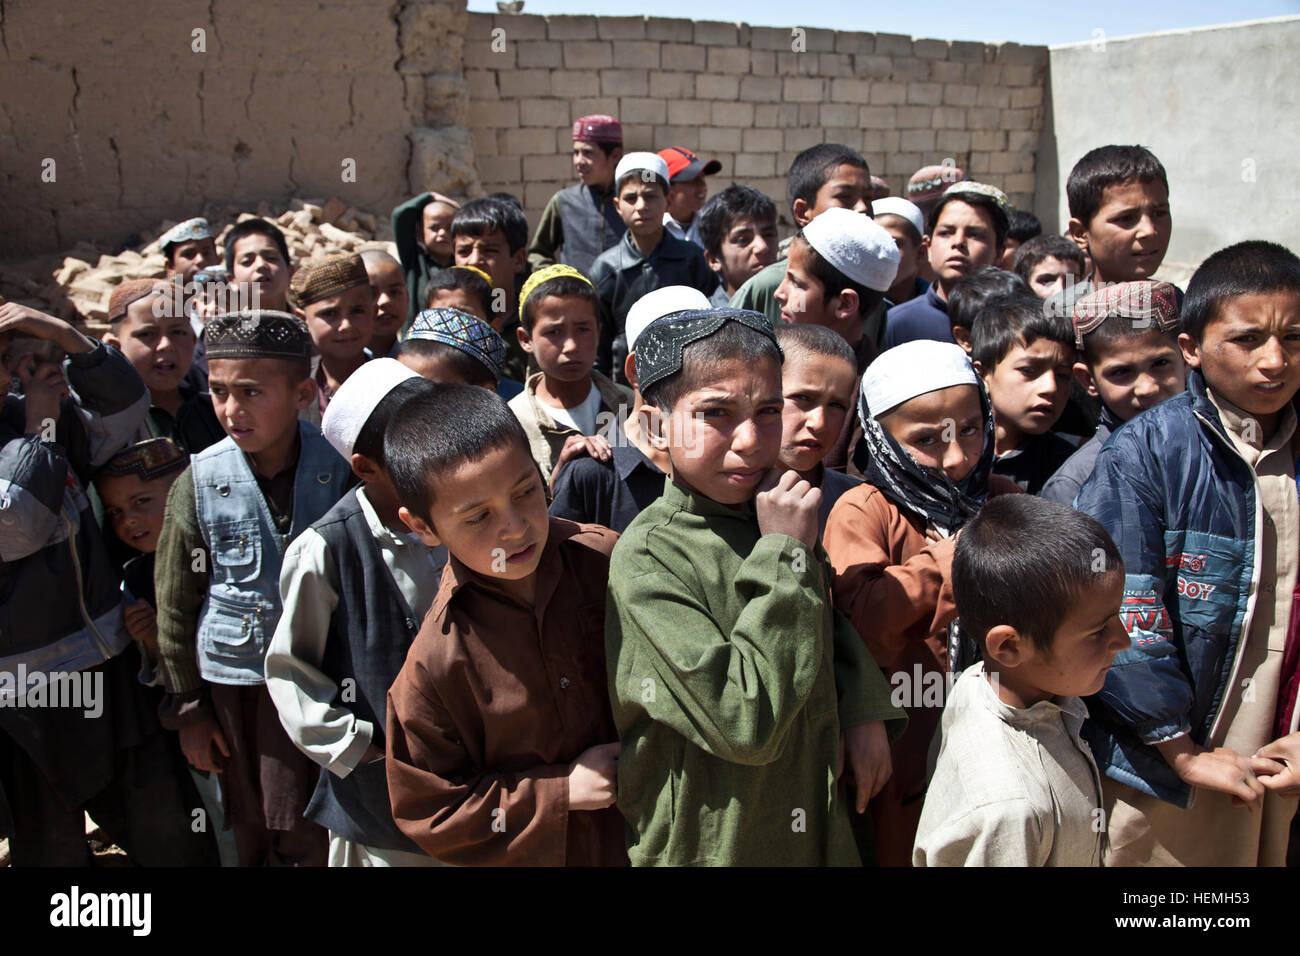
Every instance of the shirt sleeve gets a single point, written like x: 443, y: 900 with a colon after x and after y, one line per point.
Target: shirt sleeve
x: 735, y: 693
x: 111, y: 399
x: 455, y: 812
x: 303, y: 694
x: 548, y: 238
x: 864, y: 694
x: 405, y: 217
x: 180, y: 585
x: 1005, y: 833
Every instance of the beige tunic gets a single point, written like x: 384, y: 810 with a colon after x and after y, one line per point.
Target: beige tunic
x: 1144, y: 831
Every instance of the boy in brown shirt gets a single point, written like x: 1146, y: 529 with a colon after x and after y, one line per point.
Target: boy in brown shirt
x: 500, y: 742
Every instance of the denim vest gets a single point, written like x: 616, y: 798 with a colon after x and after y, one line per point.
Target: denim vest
x: 242, y: 606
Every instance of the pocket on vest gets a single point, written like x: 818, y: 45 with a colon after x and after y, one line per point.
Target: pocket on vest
x: 232, y: 632
x: 236, y: 551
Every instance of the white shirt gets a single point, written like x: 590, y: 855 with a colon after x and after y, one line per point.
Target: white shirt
x: 689, y: 233
x: 582, y: 417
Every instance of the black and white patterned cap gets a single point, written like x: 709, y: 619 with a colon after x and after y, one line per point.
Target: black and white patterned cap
x: 659, y: 348
x: 257, y: 333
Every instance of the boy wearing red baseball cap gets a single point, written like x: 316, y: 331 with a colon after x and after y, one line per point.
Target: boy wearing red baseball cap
x: 687, y: 190
x: 580, y: 222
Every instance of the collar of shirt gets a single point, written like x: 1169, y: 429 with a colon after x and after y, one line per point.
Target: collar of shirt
x: 932, y: 296
x: 1071, y: 710
x: 628, y: 458
x: 668, y: 248
x: 1235, y: 421
x: 456, y: 576
x: 382, y: 533
x: 696, y: 503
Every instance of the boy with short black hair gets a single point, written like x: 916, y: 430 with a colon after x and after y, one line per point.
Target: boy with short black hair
x: 1025, y: 355
x: 1196, y: 725
x: 1119, y: 212
x: 257, y: 259
x: 687, y: 190
x: 1127, y: 339
x: 1021, y: 227
x: 1049, y: 264
x: 1038, y: 587
x: 422, y: 234
x: 737, y: 229
x: 188, y: 247
x: 234, y: 508
x: 647, y: 257
x: 821, y: 177
x: 335, y: 300
x: 491, y: 235
x: 500, y: 745
x: 730, y: 731
x: 966, y: 229
x: 972, y: 292
x: 392, y: 302
x: 562, y: 405
x: 903, y: 220
x: 467, y: 288
x: 355, y: 587
x: 580, y: 221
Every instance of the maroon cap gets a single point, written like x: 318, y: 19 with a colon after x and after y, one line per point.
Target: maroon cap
x: 684, y: 166
x: 598, y: 128
x: 879, y: 188
x: 929, y: 182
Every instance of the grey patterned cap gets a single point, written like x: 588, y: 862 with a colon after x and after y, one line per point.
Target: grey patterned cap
x: 659, y: 348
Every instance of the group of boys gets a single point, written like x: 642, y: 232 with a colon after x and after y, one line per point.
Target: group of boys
x: 511, y: 552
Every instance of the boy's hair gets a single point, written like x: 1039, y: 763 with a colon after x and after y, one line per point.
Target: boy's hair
x: 295, y: 370
x: 461, y: 362
x: 1022, y: 226
x: 1019, y: 319
x: 717, y: 216
x: 640, y: 174
x: 463, y: 280
x: 1116, y: 328
x: 1025, y: 561
x: 814, y: 340
x: 975, y: 289
x: 1035, y: 250
x: 908, y: 227
x: 813, y: 167
x: 254, y: 227
x: 370, y: 440
x: 979, y: 201
x: 506, y: 197
x: 1108, y: 166
x: 442, y: 429
x: 482, y: 217
x: 560, y: 285
x: 834, y: 281
x: 733, y: 341
x: 1254, y: 267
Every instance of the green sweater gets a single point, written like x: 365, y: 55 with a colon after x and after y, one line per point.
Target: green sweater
x: 731, y: 676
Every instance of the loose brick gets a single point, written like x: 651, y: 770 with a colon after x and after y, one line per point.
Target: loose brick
x: 494, y: 113
x: 878, y: 117
x: 884, y: 94
x: 875, y: 67
x: 671, y: 31
x: 580, y: 55
x: 959, y: 94
x: 620, y: 28
x: 624, y: 83
x: 572, y: 83
x: 732, y: 114
x: 717, y: 33
x: 689, y: 112
x: 762, y: 63
x: 930, y: 49
x: 719, y: 140
x: 632, y: 109
x: 482, y: 84
x: 838, y: 114
x: 914, y: 117
x: 636, y: 55
x: 893, y: 44
x: 571, y: 28
x: 681, y: 56
x: 850, y: 91
x: 918, y: 140
x: 924, y: 94
x: 672, y: 86
x: 526, y: 142
x: 516, y: 83
x: 1026, y: 96
x: 543, y: 53
x: 801, y: 90
x: 762, y: 140
x: 710, y: 87
x: 760, y: 89
x: 540, y: 112
x: 724, y: 60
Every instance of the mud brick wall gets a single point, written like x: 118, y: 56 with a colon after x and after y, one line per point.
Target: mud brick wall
x: 751, y: 96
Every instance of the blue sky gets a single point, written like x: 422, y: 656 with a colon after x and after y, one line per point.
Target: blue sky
x: 1021, y: 21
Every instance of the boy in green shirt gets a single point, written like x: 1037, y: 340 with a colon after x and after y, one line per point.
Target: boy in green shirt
x: 739, y: 693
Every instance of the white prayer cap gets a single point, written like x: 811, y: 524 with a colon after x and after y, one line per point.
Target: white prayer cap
x: 357, y: 398
x: 657, y: 304
x: 897, y: 206
x: 856, y: 245
x: 632, y: 162
x: 911, y: 369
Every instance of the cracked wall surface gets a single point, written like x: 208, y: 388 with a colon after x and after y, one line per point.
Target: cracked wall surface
x: 141, y: 127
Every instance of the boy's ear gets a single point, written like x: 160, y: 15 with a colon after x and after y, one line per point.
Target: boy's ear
x: 629, y: 369
x: 300, y: 313
x: 658, y: 425
x: 846, y: 304
x: 110, y: 338
x: 1083, y: 375
x: 802, y: 212
x: 1004, y: 644
x: 714, y: 262
x: 961, y: 335
x: 419, y: 527
x: 520, y: 258
x: 979, y: 370
x: 364, y: 468
x: 1191, y: 350
x: 304, y: 393
x: 525, y: 340
x: 1079, y: 233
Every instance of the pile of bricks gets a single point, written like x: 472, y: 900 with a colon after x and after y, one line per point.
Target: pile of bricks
x: 78, y: 288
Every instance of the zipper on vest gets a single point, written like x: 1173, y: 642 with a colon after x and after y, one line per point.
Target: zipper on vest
x: 81, y: 600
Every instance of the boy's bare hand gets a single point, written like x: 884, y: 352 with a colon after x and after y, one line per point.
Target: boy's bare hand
x: 43, y: 387
x: 142, y: 625
x: 198, y: 742
x: 575, y: 446
x: 1283, y: 777
x: 786, y: 504
x: 1224, y: 770
x: 20, y: 318
x: 593, y: 778
x: 866, y: 749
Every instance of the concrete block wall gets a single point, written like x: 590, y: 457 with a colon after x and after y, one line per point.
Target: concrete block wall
x: 752, y: 97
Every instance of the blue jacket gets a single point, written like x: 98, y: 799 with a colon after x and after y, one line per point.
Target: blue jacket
x: 1180, y: 504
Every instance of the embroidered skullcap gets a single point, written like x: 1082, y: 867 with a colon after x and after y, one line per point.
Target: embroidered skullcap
x: 462, y: 331
x: 598, y: 128
x: 660, y: 346
x: 971, y: 188
x: 326, y: 277
x: 911, y: 369
x: 543, y: 275
x: 1145, y: 303
x: 352, y: 404
x: 856, y: 245
x: 898, y: 206
x: 257, y: 333
x: 133, y: 290
x: 929, y: 182
x: 657, y: 304
x: 643, y: 162
x: 879, y: 188
x: 149, y: 459
x: 190, y: 229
